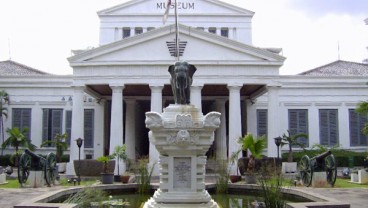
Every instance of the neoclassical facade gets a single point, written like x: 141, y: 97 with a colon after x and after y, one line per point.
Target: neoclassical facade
x: 113, y: 85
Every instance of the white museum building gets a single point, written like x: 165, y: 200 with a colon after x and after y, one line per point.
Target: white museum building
x: 112, y: 86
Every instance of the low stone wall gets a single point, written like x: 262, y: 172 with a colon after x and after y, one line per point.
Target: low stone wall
x: 90, y: 167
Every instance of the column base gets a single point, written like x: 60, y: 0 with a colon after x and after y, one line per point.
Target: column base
x: 181, y: 197
x: 151, y: 203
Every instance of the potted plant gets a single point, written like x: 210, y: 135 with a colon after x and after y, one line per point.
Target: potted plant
x: 61, y: 145
x: 120, y: 154
x: 106, y: 177
x: 234, y: 163
x: 255, y: 146
x: 292, y: 141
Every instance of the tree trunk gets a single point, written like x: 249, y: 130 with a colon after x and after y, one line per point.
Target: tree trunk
x: 290, y: 158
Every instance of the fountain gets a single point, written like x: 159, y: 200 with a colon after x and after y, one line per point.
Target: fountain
x: 182, y: 136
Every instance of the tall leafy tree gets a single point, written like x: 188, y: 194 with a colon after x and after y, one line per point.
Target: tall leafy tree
x: 292, y: 141
x: 362, y: 109
x: 4, y: 99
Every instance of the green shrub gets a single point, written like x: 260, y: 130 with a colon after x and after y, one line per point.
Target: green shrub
x: 341, y: 156
x: 65, y: 158
x: 5, y: 160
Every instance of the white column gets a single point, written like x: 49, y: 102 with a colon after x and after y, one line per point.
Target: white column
x: 251, y: 117
x: 99, y: 132
x: 77, y: 128
x: 220, y: 140
x: 156, y: 106
x: 130, y: 128
x: 343, y: 119
x: 235, y: 130
x: 273, y: 118
x: 313, y: 125
x: 196, y: 96
x: 116, y: 126
x: 36, y: 133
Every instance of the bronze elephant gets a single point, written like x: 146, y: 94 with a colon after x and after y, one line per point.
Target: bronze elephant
x: 181, y: 80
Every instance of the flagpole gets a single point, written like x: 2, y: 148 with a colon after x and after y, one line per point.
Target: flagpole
x: 177, y: 32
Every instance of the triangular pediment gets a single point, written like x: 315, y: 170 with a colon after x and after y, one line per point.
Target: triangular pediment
x: 185, y: 7
x: 201, y: 47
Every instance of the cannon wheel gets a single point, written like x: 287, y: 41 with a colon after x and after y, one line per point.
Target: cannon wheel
x: 305, y: 170
x: 24, y: 165
x: 50, y: 167
x: 331, y: 170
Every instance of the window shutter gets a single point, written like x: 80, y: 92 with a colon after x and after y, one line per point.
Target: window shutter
x: 298, y: 123
x: 68, y: 125
x: 363, y: 141
x: 45, y: 125
x: 88, y: 128
x: 353, y: 127
x: 56, y: 123
x: 262, y: 122
x: 16, y: 117
x: 26, y: 121
x: 328, y: 123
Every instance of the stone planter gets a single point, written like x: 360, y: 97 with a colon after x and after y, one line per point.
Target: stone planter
x: 250, y: 178
x: 62, y: 167
x: 107, y: 178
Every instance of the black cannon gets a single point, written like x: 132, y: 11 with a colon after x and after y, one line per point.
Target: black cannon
x: 29, y: 161
x: 323, y: 162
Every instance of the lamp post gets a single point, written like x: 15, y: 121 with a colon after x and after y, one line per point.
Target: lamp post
x: 79, y: 143
x: 278, y: 143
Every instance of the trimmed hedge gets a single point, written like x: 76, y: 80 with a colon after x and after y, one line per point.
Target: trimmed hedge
x: 344, y: 158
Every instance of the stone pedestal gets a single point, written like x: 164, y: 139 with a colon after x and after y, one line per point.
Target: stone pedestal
x: 361, y: 177
x: 319, y: 180
x: 182, y: 136
x: 36, y: 179
x: 2, y: 178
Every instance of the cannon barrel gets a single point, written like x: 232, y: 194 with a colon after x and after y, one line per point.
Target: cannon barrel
x: 33, y: 155
x: 322, y: 156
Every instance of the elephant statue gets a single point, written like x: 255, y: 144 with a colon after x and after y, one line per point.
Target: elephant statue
x: 181, y: 80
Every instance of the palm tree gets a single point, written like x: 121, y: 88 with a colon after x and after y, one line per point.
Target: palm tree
x: 4, y: 99
x: 292, y: 141
x: 16, y: 139
x: 60, y: 143
x: 255, y: 147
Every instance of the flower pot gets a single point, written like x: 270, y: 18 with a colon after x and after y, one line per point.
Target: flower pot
x: 107, y: 178
x: 235, y: 178
x: 124, y: 178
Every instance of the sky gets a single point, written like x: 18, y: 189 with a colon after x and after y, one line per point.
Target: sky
x: 312, y: 33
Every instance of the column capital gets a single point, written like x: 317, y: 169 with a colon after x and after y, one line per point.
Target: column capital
x: 197, y: 86
x: 234, y: 87
x: 156, y: 88
x: 116, y: 88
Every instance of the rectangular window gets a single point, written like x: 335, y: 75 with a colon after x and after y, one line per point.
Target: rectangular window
x: 328, y: 127
x: 126, y: 32
x: 356, y: 124
x: 225, y: 32
x: 22, y: 118
x: 138, y: 30
x: 212, y: 30
x: 262, y: 122
x: 150, y: 28
x: 88, y: 127
x: 52, y: 120
x: 298, y: 124
x: 68, y: 125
